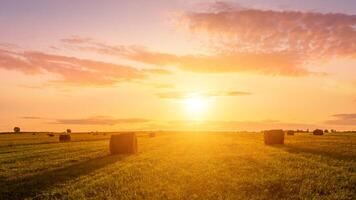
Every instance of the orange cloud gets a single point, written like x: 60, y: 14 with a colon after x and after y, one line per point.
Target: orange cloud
x: 100, y: 120
x: 266, y: 63
x: 158, y: 71
x: 343, y: 119
x: 182, y: 95
x: 31, y: 117
x: 249, y: 40
x: 71, y: 70
x: 272, y: 63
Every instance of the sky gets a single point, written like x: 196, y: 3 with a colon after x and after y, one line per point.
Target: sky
x: 177, y: 65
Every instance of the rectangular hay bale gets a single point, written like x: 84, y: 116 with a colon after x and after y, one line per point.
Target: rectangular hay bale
x: 124, y: 143
x: 64, y: 138
x: 290, y: 132
x: 273, y: 137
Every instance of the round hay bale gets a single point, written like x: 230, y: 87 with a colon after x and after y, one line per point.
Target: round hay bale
x: 290, y: 132
x: 50, y: 134
x: 273, y: 137
x: 318, y: 132
x: 152, y: 134
x: 64, y: 138
x: 125, y: 143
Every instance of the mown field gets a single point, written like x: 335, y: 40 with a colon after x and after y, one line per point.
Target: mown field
x: 179, y: 166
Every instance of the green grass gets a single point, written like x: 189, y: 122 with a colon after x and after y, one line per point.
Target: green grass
x: 179, y: 166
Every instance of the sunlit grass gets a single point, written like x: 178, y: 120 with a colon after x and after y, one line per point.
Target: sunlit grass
x: 181, y: 166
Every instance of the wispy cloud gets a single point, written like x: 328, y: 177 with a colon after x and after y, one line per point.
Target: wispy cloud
x: 183, y: 95
x: 343, y: 119
x: 76, y: 40
x: 271, y: 63
x: 249, y: 40
x: 100, y: 120
x: 70, y: 70
x: 31, y: 117
x: 262, y: 63
x: 158, y: 71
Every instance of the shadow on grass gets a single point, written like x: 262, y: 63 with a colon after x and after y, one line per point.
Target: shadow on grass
x: 31, y: 186
x: 328, y: 153
x: 269, y: 181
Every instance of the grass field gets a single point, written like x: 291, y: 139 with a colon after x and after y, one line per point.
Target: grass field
x: 179, y: 166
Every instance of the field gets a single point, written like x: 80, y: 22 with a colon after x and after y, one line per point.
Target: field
x: 193, y: 165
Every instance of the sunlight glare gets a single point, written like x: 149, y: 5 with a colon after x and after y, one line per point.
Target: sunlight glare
x: 195, y: 105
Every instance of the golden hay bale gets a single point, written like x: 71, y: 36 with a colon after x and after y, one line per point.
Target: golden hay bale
x: 64, y: 138
x: 125, y: 143
x: 318, y: 132
x: 290, y: 132
x: 273, y: 137
x: 152, y: 134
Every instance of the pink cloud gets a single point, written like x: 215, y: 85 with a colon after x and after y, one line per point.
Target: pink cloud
x: 281, y: 63
x: 71, y: 70
x: 249, y: 40
x: 308, y: 35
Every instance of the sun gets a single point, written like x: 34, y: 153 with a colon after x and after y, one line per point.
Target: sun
x: 195, y: 105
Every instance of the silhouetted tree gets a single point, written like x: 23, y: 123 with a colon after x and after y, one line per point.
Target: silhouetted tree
x: 69, y: 131
x: 326, y: 131
x: 318, y: 132
x: 17, y: 129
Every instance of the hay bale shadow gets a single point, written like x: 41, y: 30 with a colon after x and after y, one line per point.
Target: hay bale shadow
x: 31, y: 186
x: 318, y: 152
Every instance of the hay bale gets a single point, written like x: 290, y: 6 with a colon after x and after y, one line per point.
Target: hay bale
x: 64, y: 138
x: 125, y: 143
x: 152, y: 134
x: 318, y: 132
x: 273, y: 137
x: 290, y: 132
x: 50, y: 134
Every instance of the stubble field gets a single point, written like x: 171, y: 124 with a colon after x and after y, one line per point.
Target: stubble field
x: 195, y: 165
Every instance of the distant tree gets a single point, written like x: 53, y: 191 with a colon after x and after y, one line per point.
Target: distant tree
x: 318, y: 132
x: 17, y: 129
x: 326, y: 131
x: 69, y: 131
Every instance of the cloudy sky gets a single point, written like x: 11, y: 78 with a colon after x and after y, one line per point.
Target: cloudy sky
x: 158, y: 65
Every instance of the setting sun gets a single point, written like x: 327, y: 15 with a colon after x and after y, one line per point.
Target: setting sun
x: 195, y: 105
